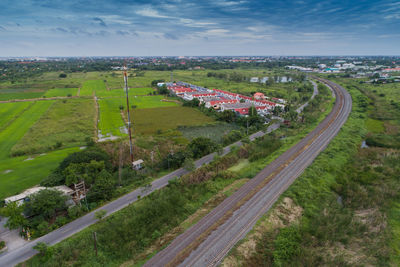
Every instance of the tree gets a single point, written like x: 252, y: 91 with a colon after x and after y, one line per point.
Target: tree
x: 163, y: 90
x: 14, y: 213
x: 46, y: 202
x: 62, y: 75
x: 201, y: 146
x: 103, y: 188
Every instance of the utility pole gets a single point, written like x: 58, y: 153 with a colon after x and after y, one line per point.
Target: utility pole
x: 129, y: 117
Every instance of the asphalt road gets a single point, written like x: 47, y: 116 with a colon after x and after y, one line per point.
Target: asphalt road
x: 208, y: 241
x: 11, y: 258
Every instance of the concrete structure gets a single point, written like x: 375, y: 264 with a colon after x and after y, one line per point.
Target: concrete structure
x: 137, y: 165
x: 21, y: 198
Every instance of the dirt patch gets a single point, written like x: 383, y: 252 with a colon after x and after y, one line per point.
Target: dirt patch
x: 284, y: 214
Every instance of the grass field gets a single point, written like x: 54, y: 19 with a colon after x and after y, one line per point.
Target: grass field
x: 17, y: 174
x: 21, y: 95
x: 110, y: 120
x: 374, y: 126
x: 61, y: 92
x: 93, y: 86
x: 212, y: 131
x: 150, y: 102
x: 9, y: 111
x: 67, y: 123
x: 17, y: 129
x: 151, y: 120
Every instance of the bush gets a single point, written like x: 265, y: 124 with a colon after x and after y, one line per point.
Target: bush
x: 62, y: 75
x: 201, y: 146
x: 2, y: 245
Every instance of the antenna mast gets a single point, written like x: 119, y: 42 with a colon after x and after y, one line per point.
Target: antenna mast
x: 129, y: 116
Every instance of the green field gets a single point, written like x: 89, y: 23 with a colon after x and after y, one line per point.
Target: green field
x: 213, y: 131
x: 66, y: 123
x: 110, y: 120
x: 374, y: 126
x: 18, y: 128
x: 150, y: 102
x: 27, y: 95
x: 61, y: 92
x: 17, y: 174
x: 141, y: 91
x: 9, y: 111
x: 93, y: 87
x: 151, y: 120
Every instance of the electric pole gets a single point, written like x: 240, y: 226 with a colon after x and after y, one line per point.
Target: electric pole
x: 129, y: 117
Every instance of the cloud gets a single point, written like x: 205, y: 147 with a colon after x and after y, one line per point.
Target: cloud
x: 100, y: 21
x: 2, y: 28
x: 61, y: 30
x: 170, y: 36
x: 150, y: 12
x: 122, y: 33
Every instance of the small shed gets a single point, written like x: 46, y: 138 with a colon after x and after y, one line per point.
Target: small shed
x: 137, y: 165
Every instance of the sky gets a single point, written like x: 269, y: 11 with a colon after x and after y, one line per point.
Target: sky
x: 198, y: 27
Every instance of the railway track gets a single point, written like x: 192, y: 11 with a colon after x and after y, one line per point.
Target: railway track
x: 207, y: 242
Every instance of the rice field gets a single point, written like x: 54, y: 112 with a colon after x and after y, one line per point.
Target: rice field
x: 10, y: 111
x: 21, y: 95
x: 151, y: 102
x: 18, y: 128
x: 110, y: 120
x: 67, y: 123
x: 19, y: 173
x: 61, y: 92
x: 153, y: 120
x: 91, y: 87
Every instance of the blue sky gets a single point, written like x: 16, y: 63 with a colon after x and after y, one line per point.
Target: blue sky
x: 198, y: 27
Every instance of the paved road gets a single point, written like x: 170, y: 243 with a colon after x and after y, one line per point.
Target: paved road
x: 23, y: 253
x: 315, y: 92
x: 207, y: 242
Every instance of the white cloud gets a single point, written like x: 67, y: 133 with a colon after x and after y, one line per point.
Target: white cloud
x: 150, y: 12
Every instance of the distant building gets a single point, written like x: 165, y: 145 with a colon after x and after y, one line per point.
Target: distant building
x: 259, y: 95
x: 264, y: 80
x: 254, y: 79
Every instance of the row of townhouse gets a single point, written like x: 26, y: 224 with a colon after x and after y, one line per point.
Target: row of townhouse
x: 224, y: 100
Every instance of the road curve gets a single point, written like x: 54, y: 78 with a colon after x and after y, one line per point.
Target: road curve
x: 207, y: 242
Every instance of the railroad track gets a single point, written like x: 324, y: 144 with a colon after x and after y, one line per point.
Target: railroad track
x: 207, y: 242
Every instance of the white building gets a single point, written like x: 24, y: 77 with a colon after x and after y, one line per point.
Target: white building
x: 254, y: 79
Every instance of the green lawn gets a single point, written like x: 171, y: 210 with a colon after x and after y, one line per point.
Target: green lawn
x: 67, y: 123
x: 18, y: 174
x: 150, y: 120
x: 18, y: 128
x: 9, y: 111
x: 110, y: 120
x: 61, y: 92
